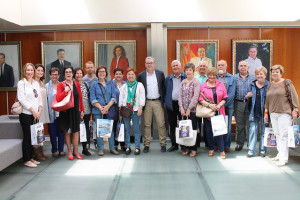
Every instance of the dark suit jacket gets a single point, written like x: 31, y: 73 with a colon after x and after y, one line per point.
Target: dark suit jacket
x: 61, y: 69
x: 142, y: 77
x: 7, y: 79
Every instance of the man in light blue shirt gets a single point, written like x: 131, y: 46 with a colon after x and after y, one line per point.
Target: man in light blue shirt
x: 202, y: 67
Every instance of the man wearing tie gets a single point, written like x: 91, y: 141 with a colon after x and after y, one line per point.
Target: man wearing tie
x: 7, y: 78
x: 60, y: 63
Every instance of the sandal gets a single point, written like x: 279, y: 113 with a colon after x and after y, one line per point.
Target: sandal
x: 211, y: 153
x: 30, y: 164
x: 223, y: 155
x: 186, y: 152
x: 193, y: 154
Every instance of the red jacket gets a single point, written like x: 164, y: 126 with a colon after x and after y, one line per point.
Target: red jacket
x: 61, y: 93
x: 123, y: 64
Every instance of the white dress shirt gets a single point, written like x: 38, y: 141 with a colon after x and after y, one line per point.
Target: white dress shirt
x: 152, y: 86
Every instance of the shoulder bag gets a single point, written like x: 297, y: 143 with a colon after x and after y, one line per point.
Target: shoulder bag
x: 125, y: 111
x: 203, y: 111
x: 113, y: 112
x: 65, y: 104
x: 17, y: 107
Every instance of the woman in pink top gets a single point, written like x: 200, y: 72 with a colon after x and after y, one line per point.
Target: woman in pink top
x: 215, y: 91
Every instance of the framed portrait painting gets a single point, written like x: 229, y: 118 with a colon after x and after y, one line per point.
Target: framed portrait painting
x: 195, y: 51
x: 256, y: 52
x: 115, y: 54
x: 61, y: 54
x: 11, y: 64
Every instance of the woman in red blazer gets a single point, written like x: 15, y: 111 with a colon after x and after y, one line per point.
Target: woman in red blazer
x: 119, y: 61
x: 69, y: 120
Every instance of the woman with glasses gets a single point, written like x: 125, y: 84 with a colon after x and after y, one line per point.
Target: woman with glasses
x: 70, y: 119
x: 102, y: 97
x: 28, y: 93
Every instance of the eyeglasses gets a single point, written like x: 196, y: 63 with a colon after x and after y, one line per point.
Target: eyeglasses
x: 102, y: 71
x: 68, y: 72
x: 149, y: 63
x: 54, y: 75
x: 35, y: 93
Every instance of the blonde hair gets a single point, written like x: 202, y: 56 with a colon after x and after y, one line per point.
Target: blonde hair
x: 261, y: 68
x: 212, y: 70
x: 25, y: 68
x: 277, y: 67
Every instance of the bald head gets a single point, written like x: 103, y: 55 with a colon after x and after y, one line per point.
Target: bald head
x: 202, y: 67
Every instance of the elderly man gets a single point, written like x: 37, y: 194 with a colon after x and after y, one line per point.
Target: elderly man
x: 252, y: 60
x: 61, y: 63
x: 229, y: 82
x: 7, y: 78
x: 243, y: 80
x: 90, y: 76
x: 153, y: 81
x: 172, y: 86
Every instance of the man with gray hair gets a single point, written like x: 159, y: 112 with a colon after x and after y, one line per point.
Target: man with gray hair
x: 172, y: 86
x: 243, y: 80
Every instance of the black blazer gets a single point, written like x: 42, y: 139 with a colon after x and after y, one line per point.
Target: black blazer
x: 142, y: 77
x: 7, y: 79
x: 61, y: 70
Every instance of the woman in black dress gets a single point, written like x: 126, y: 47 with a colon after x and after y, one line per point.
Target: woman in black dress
x: 70, y: 119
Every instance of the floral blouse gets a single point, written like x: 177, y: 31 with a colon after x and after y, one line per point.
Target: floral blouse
x: 85, y: 98
x: 188, y: 95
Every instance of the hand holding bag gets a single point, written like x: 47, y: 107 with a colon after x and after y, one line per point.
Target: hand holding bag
x: 65, y: 104
x: 203, y: 111
x: 185, y: 129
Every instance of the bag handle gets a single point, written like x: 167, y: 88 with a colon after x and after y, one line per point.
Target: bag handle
x: 288, y: 94
x: 206, y: 99
x: 103, y: 94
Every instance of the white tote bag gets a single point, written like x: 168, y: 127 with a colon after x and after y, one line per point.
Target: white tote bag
x: 219, y: 126
x: 186, y: 141
x: 269, y: 138
x: 185, y: 129
x: 82, y: 132
x: 104, y: 127
x: 37, y: 134
x: 293, y: 136
x: 121, y: 137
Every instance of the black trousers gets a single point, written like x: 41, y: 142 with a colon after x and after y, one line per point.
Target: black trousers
x: 173, y: 115
x: 27, y: 148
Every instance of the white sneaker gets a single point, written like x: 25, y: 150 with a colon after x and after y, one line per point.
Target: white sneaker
x: 30, y: 164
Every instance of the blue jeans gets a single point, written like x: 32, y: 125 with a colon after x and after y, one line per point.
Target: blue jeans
x: 56, y: 132
x: 253, y: 136
x: 136, y: 130
x: 100, y: 142
x: 227, y: 137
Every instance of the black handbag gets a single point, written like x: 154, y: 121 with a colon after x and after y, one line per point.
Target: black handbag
x: 125, y: 112
x: 113, y: 112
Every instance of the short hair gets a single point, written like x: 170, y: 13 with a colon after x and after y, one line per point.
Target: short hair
x: 118, y: 70
x: 223, y: 61
x: 68, y: 67
x: 149, y: 57
x: 53, y: 69
x: 129, y: 69
x: 42, y: 66
x: 59, y: 50
x: 123, y: 52
x: 76, y: 70
x: 201, y: 62
x: 274, y: 67
x: 24, y: 70
x: 189, y: 66
x: 101, y: 67
x: 253, y: 46
x: 2, y: 54
x: 212, y: 70
x: 245, y: 62
x: 89, y: 62
x: 261, y: 68
x: 175, y: 61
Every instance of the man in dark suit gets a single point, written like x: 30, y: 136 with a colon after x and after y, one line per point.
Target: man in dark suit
x: 60, y: 63
x: 7, y: 78
x: 153, y: 81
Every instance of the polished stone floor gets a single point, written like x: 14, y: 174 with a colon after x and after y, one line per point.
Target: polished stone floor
x: 154, y: 176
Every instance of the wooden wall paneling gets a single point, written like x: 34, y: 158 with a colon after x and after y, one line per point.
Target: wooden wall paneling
x: 286, y: 51
x: 225, y: 37
x: 140, y: 35
x: 31, y: 44
x: 11, y: 99
x: 88, y: 38
x: 2, y: 37
x: 3, y: 103
x: 182, y: 34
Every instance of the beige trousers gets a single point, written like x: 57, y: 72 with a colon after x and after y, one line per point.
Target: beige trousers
x: 156, y: 108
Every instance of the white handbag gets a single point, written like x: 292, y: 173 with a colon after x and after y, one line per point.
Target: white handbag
x: 82, y: 132
x: 37, y: 133
x: 219, y: 126
x: 269, y: 138
x: 121, y: 137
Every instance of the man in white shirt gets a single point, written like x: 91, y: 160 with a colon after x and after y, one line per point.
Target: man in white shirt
x: 153, y: 81
x: 252, y: 60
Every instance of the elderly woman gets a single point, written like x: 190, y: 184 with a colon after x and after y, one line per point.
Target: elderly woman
x: 118, y: 82
x: 57, y: 144
x: 258, y: 91
x: 215, y: 91
x: 281, y: 110
x: 40, y: 77
x: 187, y: 100
x: 69, y: 120
x: 119, y: 61
x: 78, y: 74
x: 28, y: 93
x: 132, y: 95
x: 102, y: 97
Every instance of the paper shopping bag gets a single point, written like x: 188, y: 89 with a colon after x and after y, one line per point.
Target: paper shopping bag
x: 293, y: 136
x: 219, y: 126
x: 82, y: 132
x: 37, y: 133
x: 186, y: 141
x: 185, y: 129
x: 121, y: 131
x: 269, y: 138
x: 104, y: 127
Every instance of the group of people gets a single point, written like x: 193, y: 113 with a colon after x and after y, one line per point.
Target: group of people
x: 251, y: 98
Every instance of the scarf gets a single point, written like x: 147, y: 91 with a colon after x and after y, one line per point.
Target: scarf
x: 130, y: 96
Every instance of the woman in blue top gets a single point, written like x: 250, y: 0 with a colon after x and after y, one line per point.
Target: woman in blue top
x: 102, y: 97
x: 258, y: 91
x: 118, y: 82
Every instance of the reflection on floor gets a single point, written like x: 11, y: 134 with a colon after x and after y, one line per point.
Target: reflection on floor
x: 154, y: 175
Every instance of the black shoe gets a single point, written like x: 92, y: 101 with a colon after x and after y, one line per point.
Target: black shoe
x: 172, y: 148
x: 137, y: 152
x: 86, y: 152
x: 128, y: 151
x: 146, y: 149
x: 163, y: 148
x: 238, y: 148
x: 123, y: 148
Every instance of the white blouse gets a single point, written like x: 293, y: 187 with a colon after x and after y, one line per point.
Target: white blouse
x: 29, y: 95
x: 139, y: 96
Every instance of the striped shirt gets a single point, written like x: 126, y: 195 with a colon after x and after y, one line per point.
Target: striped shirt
x: 242, y: 85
